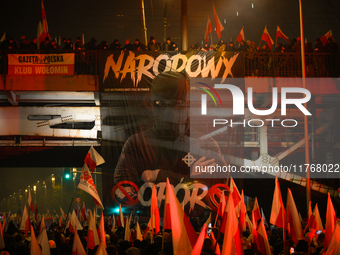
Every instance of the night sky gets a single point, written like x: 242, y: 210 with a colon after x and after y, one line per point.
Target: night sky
x: 109, y: 20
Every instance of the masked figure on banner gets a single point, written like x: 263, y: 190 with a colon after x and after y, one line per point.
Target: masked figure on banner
x: 167, y: 150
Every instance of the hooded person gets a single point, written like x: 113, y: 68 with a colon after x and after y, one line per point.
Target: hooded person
x: 158, y: 153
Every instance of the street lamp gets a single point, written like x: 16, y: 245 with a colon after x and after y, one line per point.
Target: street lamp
x: 34, y: 188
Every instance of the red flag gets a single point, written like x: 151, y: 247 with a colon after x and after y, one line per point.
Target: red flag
x: 330, y: 222
x: 232, y: 239
x: 83, y: 212
x: 235, y: 194
x: 77, y: 248
x: 2, y: 243
x: 208, y: 30
x: 253, y: 230
x: 266, y: 37
x: 278, y: 214
x: 279, y: 33
x: 242, y: 218
x: 292, y: 219
x: 35, y: 248
x: 218, y: 24
x: 325, y: 37
x: 184, y: 236
x: 167, y: 218
x: 221, y: 206
x: 256, y: 210
x: 101, y: 230
x: 200, y: 240
x: 36, y: 211
x: 93, y: 159
x: 262, y: 239
x: 217, y: 250
x: 29, y: 200
x: 86, y: 183
x: 92, y: 234
x: 334, y: 245
x: 25, y: 221
x: 154, y: 211
x: 240, y: 36
x: 44, y: 20
x: 310, y: 212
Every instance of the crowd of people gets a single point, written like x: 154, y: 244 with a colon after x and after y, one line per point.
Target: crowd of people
x: 67, y: 44
x: 61, y: 240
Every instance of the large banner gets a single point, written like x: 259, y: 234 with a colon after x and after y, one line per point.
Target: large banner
x: 41, y: 64
x: 127, y: 70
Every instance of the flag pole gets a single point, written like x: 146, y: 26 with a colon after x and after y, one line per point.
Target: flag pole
x: 74, y: 194
x: 308, y: 191
x: 211, y: 38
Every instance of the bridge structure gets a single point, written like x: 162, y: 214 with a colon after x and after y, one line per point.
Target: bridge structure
x: 44, y: 115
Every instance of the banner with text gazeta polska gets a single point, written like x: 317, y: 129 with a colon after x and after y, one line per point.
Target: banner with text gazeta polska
x: 41, y: 64
x: 134, y: 71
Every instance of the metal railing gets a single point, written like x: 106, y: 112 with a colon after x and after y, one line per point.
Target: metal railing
x: 272, y: 64
x: 256, y: 64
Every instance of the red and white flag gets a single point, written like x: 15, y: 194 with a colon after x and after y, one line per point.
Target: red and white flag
x: 218, y: 24
x: 120, y: 220
x: 74, y: 223
x: 154, y: 211
x: 235, y: 194
x: 92, y: 234
x: 266, y: 37
x: 139, y: 232
x: 93, y: 159
x: 77, y: 248
x: 314, y: 221
x: 279, y: 33
x: 113, y: 223
x: 25, y: 221
x: 101, y: 250
x: 29, y: 200
x: 42, y: 223
x: 83, y: 212
x: 232, y: 239
x: 256, y: 210
x: 334, y: 244
x: 278, y: 214
x: 262, y: 240
x: 184, y: 236
x: 44, y: 20
x: 208, y: 30
x: 86, y: 183
x: 292, y: 219
x: 242, y: 218
x: 310, y: 212
x: 330, y: 222
x: 127, y: 234
x: 253, y: 229
x: 62, y: 214
x: 325, y: 37
x: 42, y: 239
x: 101, y: 230
x: 240, y: 36
x: 35, y: 248
x: 200, y: 240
